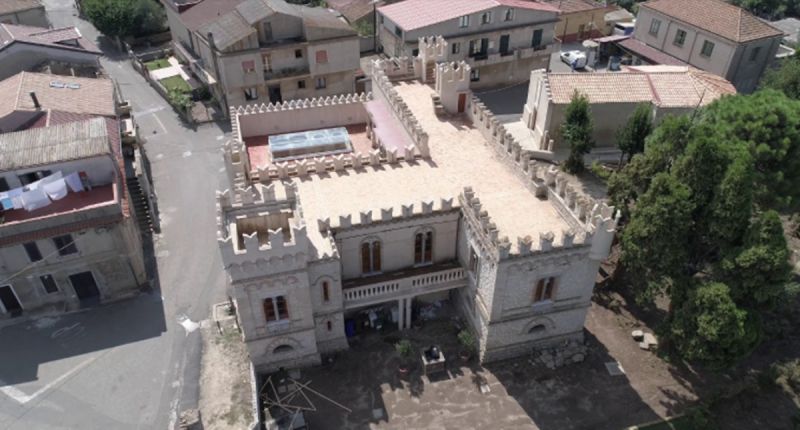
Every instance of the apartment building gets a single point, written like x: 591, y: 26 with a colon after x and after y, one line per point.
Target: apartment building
x: 712, y: 35
x: 581, y: 19
x: 257, y: 51
x: 24, y: 48
x: 23, y: 12
x: 67, y: 236
x: 379, y: 204
x: 501, y: 40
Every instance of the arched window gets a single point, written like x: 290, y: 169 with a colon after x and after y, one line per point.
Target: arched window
x: 326, y: 294
x: 371, y: 256
x: 423, y: 247
x: 544, y: 289
x: 282, y: 349
x: 276, y: 308
x: 537, y: 329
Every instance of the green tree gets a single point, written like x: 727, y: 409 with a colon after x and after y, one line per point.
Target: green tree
x: 577, y: 131
x: 708, y: 326
x: 767, y: 9
x: 785, y: 78
x: 123, y: 18
x: 631, y: 137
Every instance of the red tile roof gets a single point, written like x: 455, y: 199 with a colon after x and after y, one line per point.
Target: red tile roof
x: 414, y: 14
x: 573, y: 6
x: 717, y: 17
x: 51, y: 38
x: 649, y: 53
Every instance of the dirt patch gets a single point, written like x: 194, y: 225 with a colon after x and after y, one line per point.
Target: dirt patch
x: 225, y: 399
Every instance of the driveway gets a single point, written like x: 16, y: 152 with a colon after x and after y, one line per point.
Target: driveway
x: 132, y: 364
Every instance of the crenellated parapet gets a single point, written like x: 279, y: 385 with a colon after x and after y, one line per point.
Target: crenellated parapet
x: 391, y: 214
x: 329, y: 101
x: 397, y: 68
x: 498, y: 136
x: 433, y: 48
x: 452, y: 84
x: 536, y: 109
x: 382, y: 84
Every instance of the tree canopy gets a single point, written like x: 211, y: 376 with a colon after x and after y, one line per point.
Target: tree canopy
x: 785, y: 78
x: 700, y: 221
x: 124, y: 18
x: 577, y: 131
x: 631, y: 137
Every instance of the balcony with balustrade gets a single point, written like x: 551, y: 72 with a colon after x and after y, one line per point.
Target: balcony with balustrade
x: 405, y: 283
x: 511, y: 55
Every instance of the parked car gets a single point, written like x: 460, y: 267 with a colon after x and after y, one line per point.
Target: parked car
x: 576, y: 59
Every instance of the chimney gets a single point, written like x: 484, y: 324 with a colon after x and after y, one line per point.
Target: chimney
x: 35, y: 100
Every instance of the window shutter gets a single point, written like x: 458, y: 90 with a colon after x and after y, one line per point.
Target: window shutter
x: 429, y: 247
x: 269, y: 310
x: 418, y: 248
x: 376, y: 256
x: 283, y: 308
x: 365, y: 258
x: 322, y: 56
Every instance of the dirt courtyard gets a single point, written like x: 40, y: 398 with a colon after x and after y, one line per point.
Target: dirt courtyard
x: 522, y: 395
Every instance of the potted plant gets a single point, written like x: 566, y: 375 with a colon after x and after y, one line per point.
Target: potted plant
x: 467, y: 341
x: 404, y: 348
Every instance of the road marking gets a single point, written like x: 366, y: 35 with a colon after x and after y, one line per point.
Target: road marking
x: 220, y: 137
x: 149, y: 111
x: 188, y: 324
x: 22, y: 398
x: 161, y: 124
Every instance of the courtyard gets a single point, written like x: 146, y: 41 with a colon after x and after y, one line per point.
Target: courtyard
x: 521, y: 394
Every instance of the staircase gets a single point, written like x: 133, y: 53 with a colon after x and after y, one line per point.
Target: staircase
x: 141, y: 206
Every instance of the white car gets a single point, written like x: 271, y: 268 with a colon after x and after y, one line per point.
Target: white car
x: 576, y: 59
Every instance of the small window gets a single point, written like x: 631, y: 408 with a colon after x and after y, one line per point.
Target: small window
x: 283, y: 308
x: 536, y: 40
x: 298, y: 53
x: 301, y: 84
x: 544, y: 289
x: 509, y: 16
x: 49, y: 284
x: 321, y: 83
x: 473, y: 263
x: 249, y: 66
x: 423, y: 247
x: 414, y: 52
x: 486, y: 18
x: 330, y: 326
x: 33, y: 252
x: 371, y: 257
x: 65, y: 245
x: 475, y: 75
x: 754, y: 53
x: 680, y: 38
x: 276, y: 308
x: 708, y: 49
x: 322, y: 57
x: 398, y: 31
x: 655, y: 25
x: 463, y: 22
x: 455, y: 48
x: 251, y: 93
x: 326, y: 293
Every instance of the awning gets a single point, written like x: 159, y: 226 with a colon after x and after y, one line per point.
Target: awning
x: 612, y: 38
x: 649, y: 54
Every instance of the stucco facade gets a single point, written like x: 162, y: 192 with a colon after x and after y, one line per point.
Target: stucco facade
x: 741, y: 62
x: 311, y: 242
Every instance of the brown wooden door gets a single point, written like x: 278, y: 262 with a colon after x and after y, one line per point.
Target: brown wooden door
x: 462, y: 102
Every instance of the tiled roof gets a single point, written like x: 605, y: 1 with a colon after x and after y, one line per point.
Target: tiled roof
x: 59, y: 93
x: 11, y: 6
x: 573, y: 6
x: 414, y: 14
x: 323, y: 24
x: 649, y: 53
x: 62, y: 38
x: 717, y: 17
x: 63, y: 142
x: 207, y: 11
x: 664, y: 86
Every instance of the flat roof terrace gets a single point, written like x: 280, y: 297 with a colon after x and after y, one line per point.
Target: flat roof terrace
x: 460, y: 157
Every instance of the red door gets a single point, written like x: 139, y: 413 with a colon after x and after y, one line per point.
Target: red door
x: 462, y: 102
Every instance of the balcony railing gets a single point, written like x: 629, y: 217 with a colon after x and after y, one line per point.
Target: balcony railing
x: 285, y: 72
x: 406, y: 283
x: 516, y: 54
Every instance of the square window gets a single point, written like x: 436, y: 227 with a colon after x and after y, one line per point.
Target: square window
x: 249, y: 66
x: 509, y: 14
x: 655, y: 25
x: 65, y: 245
x: 321, y: 83
x: 463, y: 21
x: 301, y: 84
x: 322, y: 57
x: 475, y: 75
x: 708, y: 49
x: 298, y: 53
x: 486, y: 18
x: 49, y: 284
x: 251, y: 93
x: 415, y: 52
x: 455, y: 48
x: 544, y: 290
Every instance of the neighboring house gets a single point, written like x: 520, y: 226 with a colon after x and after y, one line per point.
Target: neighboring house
x: 39, y: 100
x: 23, y: 12
x: 255, y: 51
x: 363, y: 209
x: 502, y: 40
x: 613, y: 96
x: 67, y: 236
x: 580, y: 19
x: 24, y: 48
x: 711, y: 35
x: 790, y: 28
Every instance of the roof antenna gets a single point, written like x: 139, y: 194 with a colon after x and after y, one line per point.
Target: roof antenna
x: 35, y: 99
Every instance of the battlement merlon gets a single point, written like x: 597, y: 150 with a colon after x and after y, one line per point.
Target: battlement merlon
x: 365, y: 218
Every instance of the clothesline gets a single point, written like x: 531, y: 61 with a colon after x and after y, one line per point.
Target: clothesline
x: 41, y: 193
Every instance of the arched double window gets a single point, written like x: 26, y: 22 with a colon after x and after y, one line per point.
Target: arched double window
x: 423, y: 247
x: 371, y: 256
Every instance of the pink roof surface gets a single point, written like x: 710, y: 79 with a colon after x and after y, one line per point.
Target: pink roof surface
x: 414, y: 14
x: 389, y: 131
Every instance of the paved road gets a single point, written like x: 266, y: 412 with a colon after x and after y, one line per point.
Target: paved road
x: 131, y: 364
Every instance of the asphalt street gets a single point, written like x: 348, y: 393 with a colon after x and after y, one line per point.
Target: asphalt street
x: 132, y: 364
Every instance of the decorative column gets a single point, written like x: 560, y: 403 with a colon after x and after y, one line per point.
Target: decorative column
x: 401, y: 313
x: 408, y: 312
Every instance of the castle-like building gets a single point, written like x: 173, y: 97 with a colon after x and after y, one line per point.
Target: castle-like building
x: 410, y: 193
